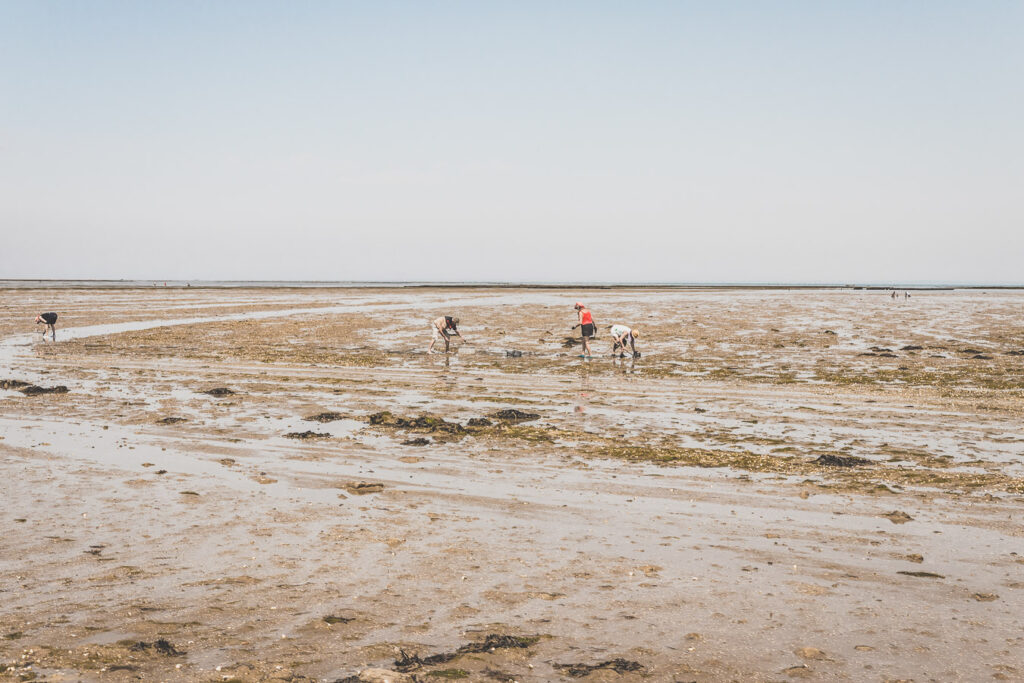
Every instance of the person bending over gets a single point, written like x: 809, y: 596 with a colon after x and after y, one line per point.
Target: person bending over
x: 444, y: 327
x: 621, y: 335
x: 50, y: 320
x: 586, y: 325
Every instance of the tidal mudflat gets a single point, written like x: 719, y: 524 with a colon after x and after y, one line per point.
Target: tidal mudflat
x: 253, y: 484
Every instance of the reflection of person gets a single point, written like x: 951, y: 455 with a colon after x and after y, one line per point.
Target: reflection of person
x: 444, y: 327
x: 50, y: 320
x: 622, y: 334
x: 586, y: 325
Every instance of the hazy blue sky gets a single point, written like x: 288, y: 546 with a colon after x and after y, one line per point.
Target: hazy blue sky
x: 657, y: 141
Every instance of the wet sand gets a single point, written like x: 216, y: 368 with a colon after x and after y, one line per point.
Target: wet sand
x: 812, y: 484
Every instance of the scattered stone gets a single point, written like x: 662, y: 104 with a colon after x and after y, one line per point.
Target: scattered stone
x: 307, y: 435
x: 898, y: 517
x: 34, y: 390
x: 218, y: 391
x: 985, y: 597
x: 418, y: 441
x: 513, y: 354
x: 981, y: 356
x: 829, y: 332
x: 840, y: 461
x: 915, y: 558
x: 171, y: 420
x: 923, y: 575
x: 325, y: 417
x: 1019, y: 352
x: 810, y: 653
x: 513, y: 415
x: 970, y: 351
x: 161, y: 471
x: 912, y: 347
x: 617, y: 665
x: 863, y: 648
x: 887, y: 355
x: 479, y: 422
x: 13, y: 384
x: 187, y: 493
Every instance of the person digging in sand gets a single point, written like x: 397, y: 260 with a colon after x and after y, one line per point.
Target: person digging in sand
x: 586, y: 325
x: 444, y: 327
x: 621, y: 334
x: 50, y: 320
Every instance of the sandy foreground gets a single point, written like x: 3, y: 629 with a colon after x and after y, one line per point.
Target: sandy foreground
x: 815, y: 485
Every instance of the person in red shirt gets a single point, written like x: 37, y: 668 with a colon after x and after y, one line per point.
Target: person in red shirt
x: 586, y: 325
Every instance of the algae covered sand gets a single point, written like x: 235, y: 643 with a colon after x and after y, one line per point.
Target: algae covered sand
x: 281, y: 484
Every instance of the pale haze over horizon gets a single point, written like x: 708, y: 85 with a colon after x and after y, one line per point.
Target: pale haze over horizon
x: 527, y: 141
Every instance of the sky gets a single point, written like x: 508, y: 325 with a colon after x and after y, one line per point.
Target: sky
x: 513, y: 141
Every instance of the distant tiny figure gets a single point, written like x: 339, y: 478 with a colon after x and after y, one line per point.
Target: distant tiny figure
x: 894, y: 294
x: 621, y: 334
x: 586, y: 325
x: 50, y: 320
x: 906, y: 295
x: 444, y: 327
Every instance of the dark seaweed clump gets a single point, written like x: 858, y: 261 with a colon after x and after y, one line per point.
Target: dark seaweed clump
x: 493, y: 641
x: 34, y: 390
x: 331, y: 619
x: 170, y: 420
x: 617, y: 665
x: 218, y: 391
x: 307, y: 435
x: 325, y: 417
x: 162, y: 646
x: 423, y: 423
x: 923, y: 575
x: 840, y: 461
x: 13, y: 384
x: 513, y: 415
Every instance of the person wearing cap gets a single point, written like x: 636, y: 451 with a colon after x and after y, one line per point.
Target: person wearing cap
x: 586, y: 325
x: 50, y: 320
x: 444, y: 327
x: 622, y: 334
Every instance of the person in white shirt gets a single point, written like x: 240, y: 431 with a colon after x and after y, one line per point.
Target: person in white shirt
x: 621, y: 335
x: 444, y: 327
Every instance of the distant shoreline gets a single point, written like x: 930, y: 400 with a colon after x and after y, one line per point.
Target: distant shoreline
x: 15, y: 283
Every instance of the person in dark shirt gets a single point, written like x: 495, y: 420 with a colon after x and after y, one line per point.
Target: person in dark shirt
x: 444, y: 327
x: 50, y: 320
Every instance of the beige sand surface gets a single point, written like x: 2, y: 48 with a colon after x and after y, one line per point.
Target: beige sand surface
x: 663, y: 518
